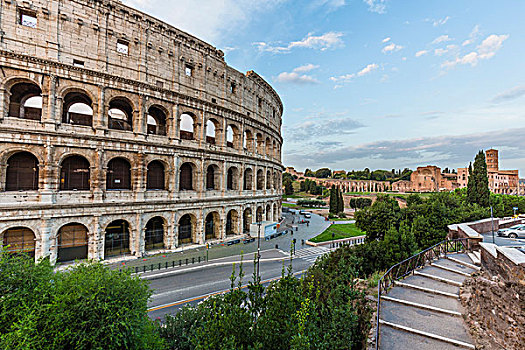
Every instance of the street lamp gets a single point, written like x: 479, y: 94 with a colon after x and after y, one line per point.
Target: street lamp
x: 258, y: 248
x: 492, y: 223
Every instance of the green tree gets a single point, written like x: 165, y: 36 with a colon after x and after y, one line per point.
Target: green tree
x: 323, y: 173
x: 309, y: 173
x: 471, y: 185
x: 378, y: 218
x: 333, y: 200
x: 288, y: 187
x: 478, y: 182
x: 340, y: 202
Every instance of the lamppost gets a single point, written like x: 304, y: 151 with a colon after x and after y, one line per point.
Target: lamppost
x: 492, y: 223
x: 258, y: 248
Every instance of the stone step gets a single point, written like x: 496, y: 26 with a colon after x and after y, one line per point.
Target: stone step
x: 421, y: 281
x: 432, y: 322
x: 427, y: 290
x: 477, y: 268
x: 438, y: 278
x: 442, y: 266
x: 396, y: 337
x: 432, y: 270
x: 421, y: 306
x: 474, y: 258
x: 458, y: 266
x: 425, y: 298
x: 461, y: 256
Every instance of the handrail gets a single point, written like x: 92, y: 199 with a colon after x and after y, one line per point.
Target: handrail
x: 409, y: 265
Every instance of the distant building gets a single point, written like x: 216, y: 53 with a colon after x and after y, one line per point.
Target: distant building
x: 291, y: 170
x: 427, y: 179
x: 521, y: 187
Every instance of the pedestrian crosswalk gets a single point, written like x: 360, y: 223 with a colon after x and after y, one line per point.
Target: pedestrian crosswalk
x: 311, y: 254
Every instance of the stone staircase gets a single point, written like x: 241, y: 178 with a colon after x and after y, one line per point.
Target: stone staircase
x: 423, y: 310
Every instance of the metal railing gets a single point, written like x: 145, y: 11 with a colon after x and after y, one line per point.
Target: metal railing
x: 408, y: 266
x: 166, y: 265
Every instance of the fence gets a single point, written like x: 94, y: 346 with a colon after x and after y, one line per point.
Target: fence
x: 407, y: 266
x: 167, y: 265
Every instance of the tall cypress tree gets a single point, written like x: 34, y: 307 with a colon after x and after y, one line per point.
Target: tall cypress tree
x: 333, y: 200
x: 481, y: 180
x: 471, y: 186
x: 341, y: 203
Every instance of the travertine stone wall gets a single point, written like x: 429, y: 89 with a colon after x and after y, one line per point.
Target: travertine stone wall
x: 74, y: 47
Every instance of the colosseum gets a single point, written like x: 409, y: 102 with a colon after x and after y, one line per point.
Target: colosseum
x: 122, y: 135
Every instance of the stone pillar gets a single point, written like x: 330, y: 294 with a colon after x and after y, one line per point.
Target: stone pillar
x: 48, y: 176
x: 139, y: 174
x: 138, y: 241
x: 45, y: 239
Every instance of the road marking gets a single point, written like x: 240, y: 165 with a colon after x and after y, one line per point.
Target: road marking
x: 156, y: 308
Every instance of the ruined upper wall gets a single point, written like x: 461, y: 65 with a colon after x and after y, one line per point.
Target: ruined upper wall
x: 89, y: 32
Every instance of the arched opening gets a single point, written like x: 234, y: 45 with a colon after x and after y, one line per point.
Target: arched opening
x: 268, y: 213
x: 74, y: 174
x: 155, y: 177
x: 232, y: 223
x: 232, y: 135
x: 268, y: 145
x: 275, y: 218
x: 247, y: 220
x: 25, y: 101
x: 186, y: 228
x: 77, y: 109
x: 211, y: 133
x: 212, y: 177
x: 186, y: 177
x: 19, y: 240
x: 154, y: 236
x: 117, y: 239
x: 274, y: 149
x: 212, y: 226
x: 120, y: 114
x: 275, y: 180
x: 260, y: 180
x: 72, y: 241
x: 231, y: 178
x: 260, y: 144
x: 259, y: 215
x: 268, y: 180
x: 22, y: 172
x: 156, y: 121
x: 186, y: 127
x: 118, y: 175
x: 248, y: 179
x: 247, y: 141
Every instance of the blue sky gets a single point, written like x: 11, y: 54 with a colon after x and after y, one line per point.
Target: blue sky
x: 377, y: 83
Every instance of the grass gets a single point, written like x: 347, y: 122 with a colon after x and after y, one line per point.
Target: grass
x: 341, y: 219
x: 340, y: 231
x: 290, y: 205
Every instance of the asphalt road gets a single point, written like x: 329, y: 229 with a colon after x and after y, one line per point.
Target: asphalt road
x: 503, y: 241
x: 172, y: 292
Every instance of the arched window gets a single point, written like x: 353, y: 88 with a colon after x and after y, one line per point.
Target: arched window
x: 248, y: 179
x: 120, y: 114
x: 154, y: 236
x: 247, y: 141
x: 186, y: 127
x: 268, y: 180
x: 232, y: 136
x: 186, y: 228
x: 259, y: 216
x: 275, y: 218
x: 268, y: 212
x: 232, y: 222
x: 25, y: 101
x: 156, y: 120
x: 186, y: 177
x: 268, y: 145
x: 19, y: 240
x: 275, y: 180
x: 116, y: 239
x: 119, y: 175
x: 72, y: 242
x: 260, y: 180
x: 231, y: 179
x: 260, y: 144
x: 74, y: 174
x: 77, y: 109
x: 155, y: 177
x: 212, y: 177
x: 211, y: 227
x: 247, y: 220
x: 22, y: 172
x: 211, y: 131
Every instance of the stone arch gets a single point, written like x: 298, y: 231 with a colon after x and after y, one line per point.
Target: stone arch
x: 19, y: 239
x: 212, y: 226
x: 187, y: 175
x: 275, y: 212
x: 22, y: 173
x: 187, y: 123
x: 72, y: 242
x: 156, y: 175
x: 232, y: 178
x: 213, y: 177
x: 118, y: 175
x: 247, y: 142
x: 246, y: 220
x: 187, y: 229
x: 117, y: 238
x: 77, y: 108
x: 232, y: 136
x: 120, y: 114
x: 268, y: 179
x: 268, y: 147
x: 260, y: 180
x: 259, y: 214
x: 75, y: 173
x: 156, y: 120
x: 232, y: 223
x: 212, y: 131
x: 248, y: 179
x: 260, y: 143
x: 154, y: 233
x: 25, y: 99
x: 268, y: 212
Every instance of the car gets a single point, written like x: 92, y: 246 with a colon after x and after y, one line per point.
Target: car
x: 512, y: 232
x: 307, y: 216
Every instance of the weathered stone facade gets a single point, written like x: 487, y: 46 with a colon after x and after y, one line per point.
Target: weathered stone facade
x: 115, y: 123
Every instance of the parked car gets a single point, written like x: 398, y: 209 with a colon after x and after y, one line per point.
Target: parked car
x: 513, y: 232
x: 307, y: 216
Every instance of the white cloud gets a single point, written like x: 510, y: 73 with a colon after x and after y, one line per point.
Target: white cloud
x: 487, y: 49
x: 323, y: 42
x: 442, y: 51
x: 441, y: 39
x: 377, y: 6
x: 348, y: 77
x: 473, y: 36
x: 295, y: 76
x: 331, y: 4
x: 391, y: 48
x: 386, y: 40
x: 421, y: 53
x: 440, y: 22
x: 210, y: 20
x: 510, y: 95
